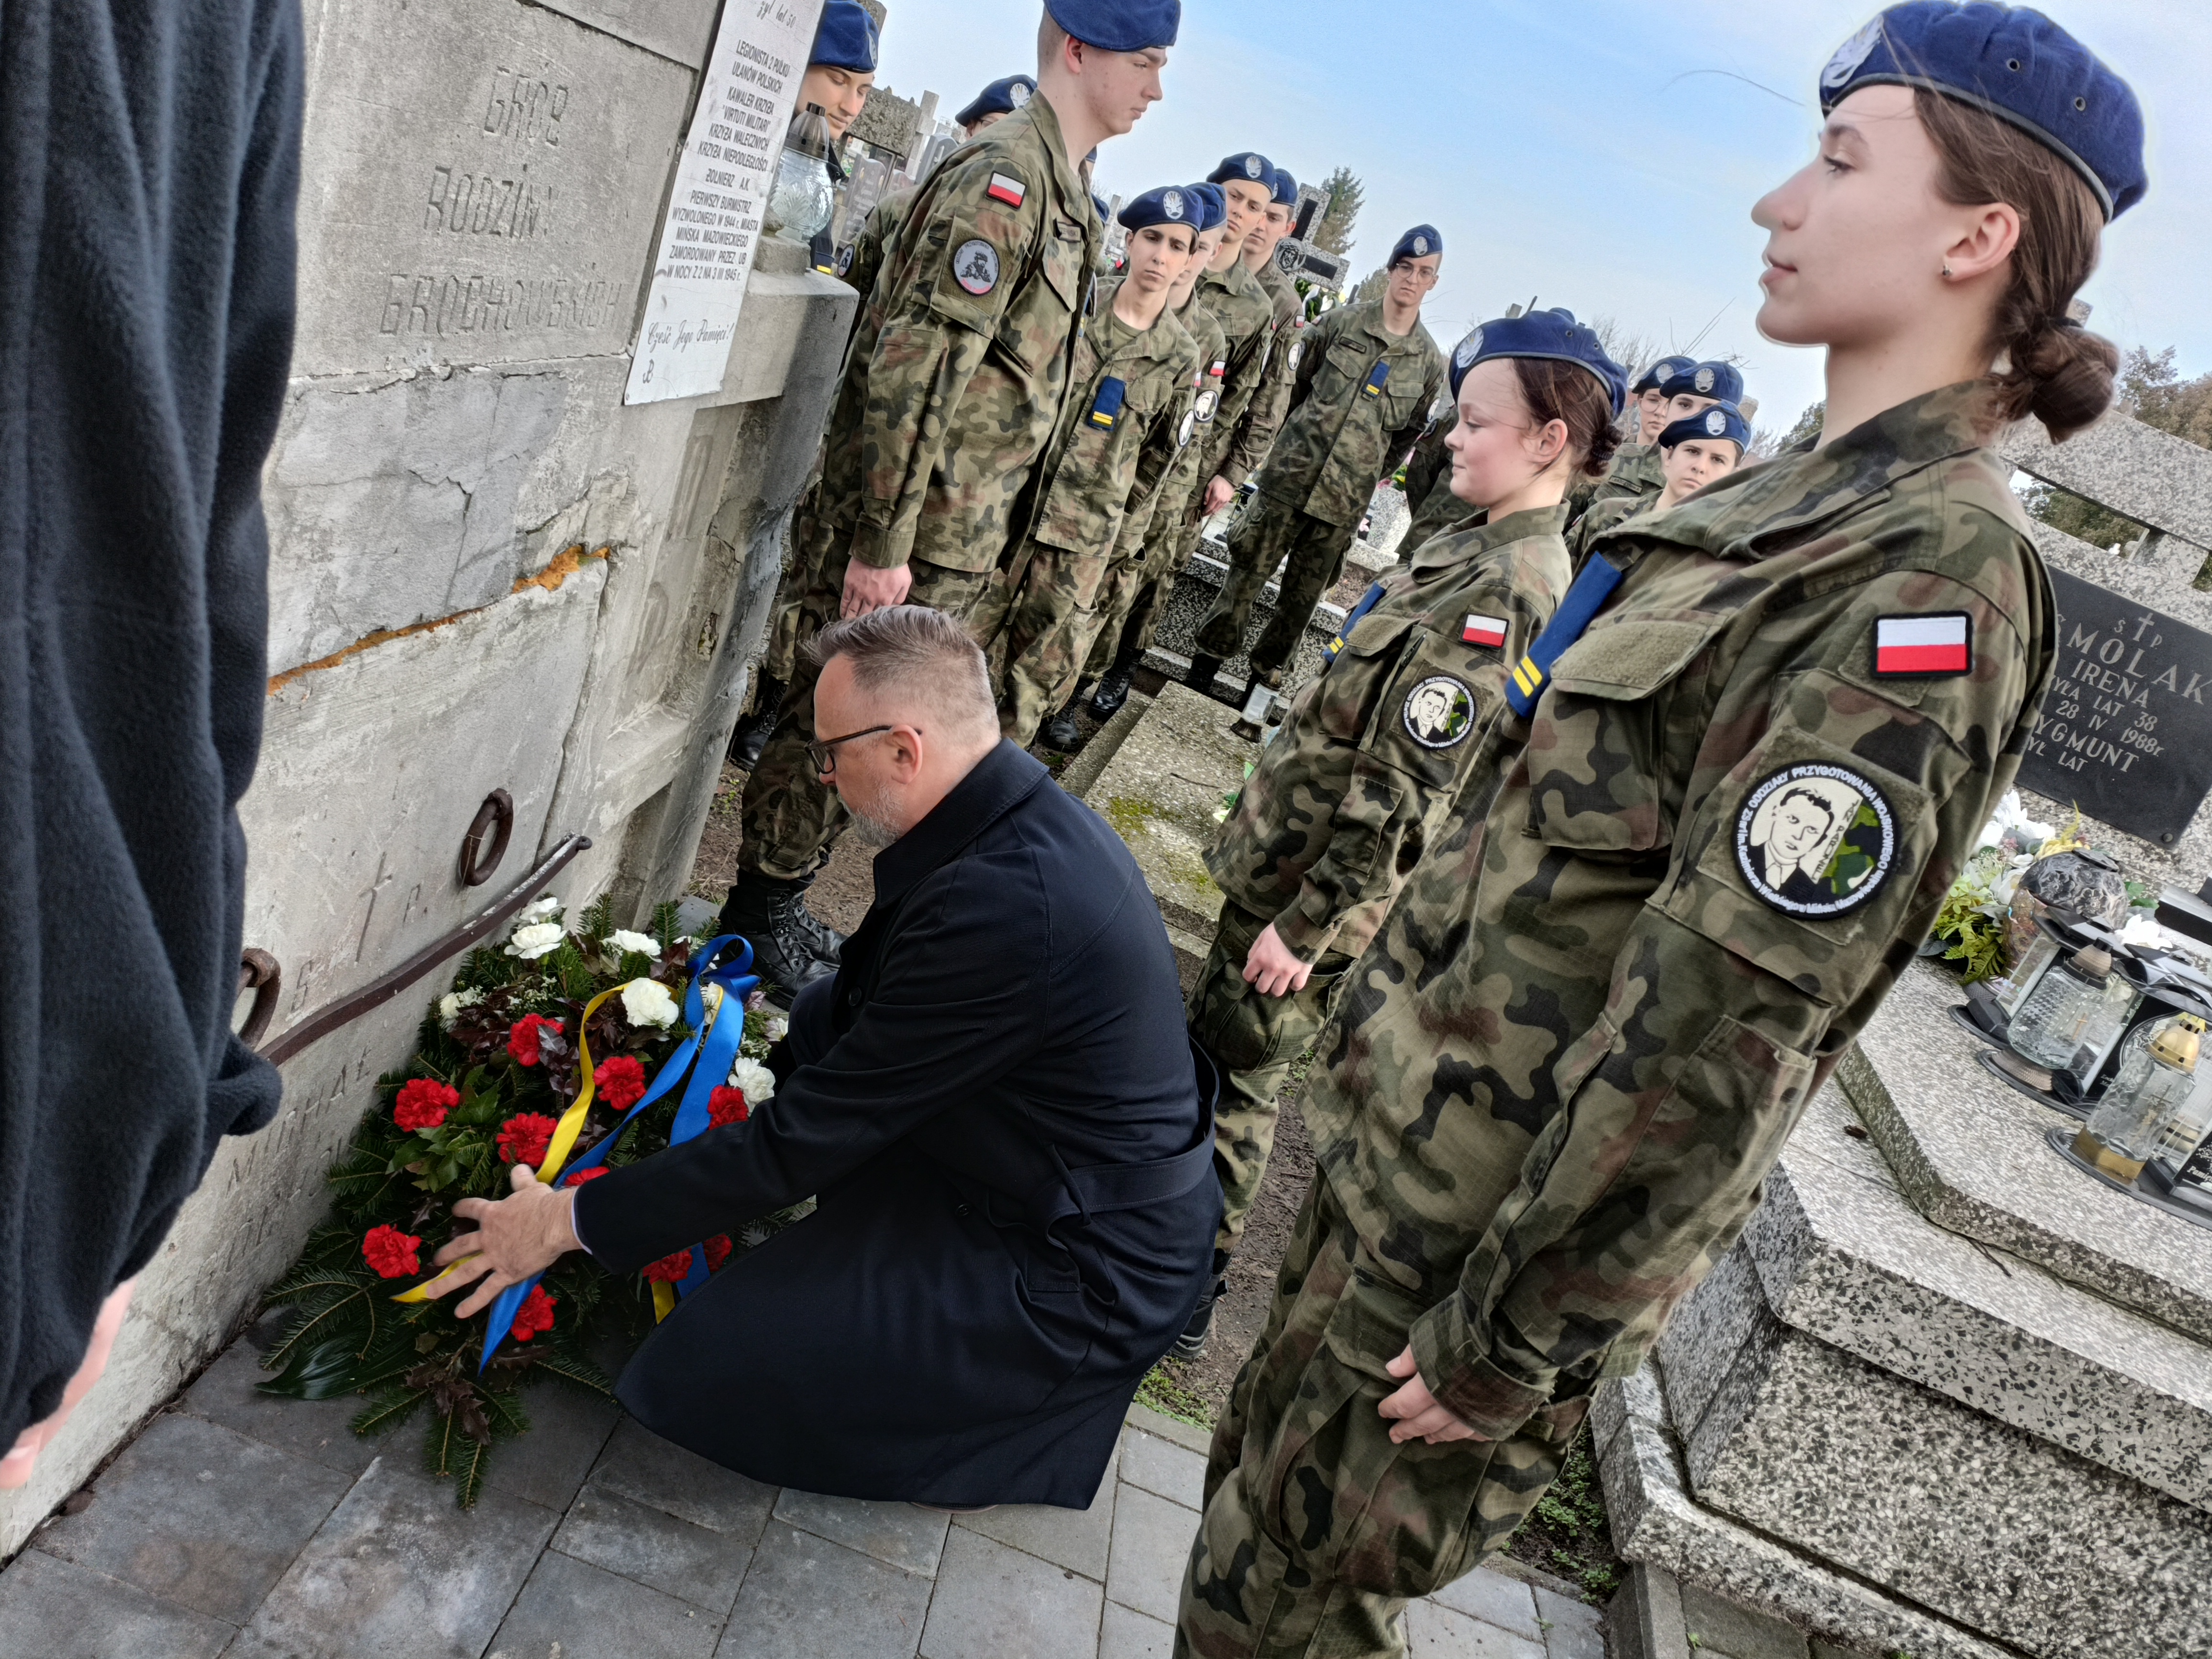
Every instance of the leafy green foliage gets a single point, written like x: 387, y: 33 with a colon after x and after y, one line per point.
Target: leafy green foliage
x: 345, y: 1334
x: 1567, y: 1532
x: 1342, y: 197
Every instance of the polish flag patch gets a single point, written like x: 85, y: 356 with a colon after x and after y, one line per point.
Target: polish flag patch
x: 1942, y: 643
x: 1484, y: 630
x: 1005, y: 187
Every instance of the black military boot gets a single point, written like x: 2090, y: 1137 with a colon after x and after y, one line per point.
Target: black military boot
x: 1203, y: 668
x: 1061, y: 732
x: 772, y: 917
x: 1114, y: 691
x: 1191, y: 1344
x: 751, y: 735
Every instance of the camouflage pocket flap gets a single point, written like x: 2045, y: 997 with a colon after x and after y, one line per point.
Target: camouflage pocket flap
x: 1371, y: 635
x: 1632, y: 659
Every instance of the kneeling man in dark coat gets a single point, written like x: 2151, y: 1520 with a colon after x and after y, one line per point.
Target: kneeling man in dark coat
x: 995, y: 1105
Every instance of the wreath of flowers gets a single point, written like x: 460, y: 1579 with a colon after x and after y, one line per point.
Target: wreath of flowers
x: 496, y: 1063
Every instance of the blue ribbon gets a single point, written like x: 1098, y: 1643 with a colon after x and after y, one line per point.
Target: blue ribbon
x: 1367, y: 601
x: 720, y: 1051
x: 1569, y: 622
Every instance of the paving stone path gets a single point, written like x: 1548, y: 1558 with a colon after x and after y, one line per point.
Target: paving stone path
x: 252, y: 1527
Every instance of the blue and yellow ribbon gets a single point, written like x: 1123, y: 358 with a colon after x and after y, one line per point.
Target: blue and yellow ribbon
x: 1584, y: 601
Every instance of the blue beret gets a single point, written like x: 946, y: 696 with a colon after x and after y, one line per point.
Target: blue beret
x: 1720, y: 381
x: 1286, y: 188
x: 1417, y: 244
x: 1720, y: 421
x: 1102, y: 208
x: 1118, y: 25
x: 2019, y: 66
x: 1659, y: 374
x: 1170, y: 204
x: 1554, y: 334
x: 1216, y: 204
x: 1247, y: 166
x: 846, y: 37
x: 999, y: 98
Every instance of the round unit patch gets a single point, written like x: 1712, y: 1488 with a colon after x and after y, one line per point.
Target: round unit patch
x: 844, y: 260
x: 1287, y: 256
x: 1849, y: 56
x: 1704, y: 381
x: 1715, y: 422
x: 975, y: 267
x: 1297, y: 349
x: 1439, y: 712
x: 1814, y: 840
x: 1209, y: 401
x: 1171, y: 203
x: 1189, y: 425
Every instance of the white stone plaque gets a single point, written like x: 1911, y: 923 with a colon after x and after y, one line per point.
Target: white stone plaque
x: 714, y: 212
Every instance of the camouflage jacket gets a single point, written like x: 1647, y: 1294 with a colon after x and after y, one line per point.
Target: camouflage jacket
x: 1346, y: 430
x: 1558, y: 1076
x: 1247, y: 317
x: 1428, y: 491
x: 1263, y: 415
x: 1128, y: 411
x: 1635, y: 475
x: 954, y: 381
x: 1373, y: 752
x: 1603, y: 515
x: 859, y: 264
x: 1160, y: 502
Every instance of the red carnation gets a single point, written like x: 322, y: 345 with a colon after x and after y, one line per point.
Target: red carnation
x: 620, y: 1081
x: 727, y: 1105
x: 522, y: 1038
x: 423, y: 1104
x: 718, y: 1250
x: 670, y: 1269
x: 391, y: 1252
x: 535, y: 1314
x: 578, y: 1177
x: 523, y: 1139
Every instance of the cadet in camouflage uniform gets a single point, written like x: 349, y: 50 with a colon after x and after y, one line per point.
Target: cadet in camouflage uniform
x: 1361, y: 395
x: 1693, y: 453
x: 1263, y: 417
x: 952, y: 388
x: 1375, y: 750
x: 1154, y: 497
x: 1557, y: 1078
x: 1635, y: 474
x: 1134, y: 382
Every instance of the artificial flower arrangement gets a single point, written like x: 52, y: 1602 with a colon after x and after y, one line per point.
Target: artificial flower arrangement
x: 498, y: 1062
x: 1972, y: 923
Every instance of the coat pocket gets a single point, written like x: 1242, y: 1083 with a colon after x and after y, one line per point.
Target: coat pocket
x: 1034, y: 331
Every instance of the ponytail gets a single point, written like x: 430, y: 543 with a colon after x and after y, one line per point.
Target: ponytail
x: 2045, y: 364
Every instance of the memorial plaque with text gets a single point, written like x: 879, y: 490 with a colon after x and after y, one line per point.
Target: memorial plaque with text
x: 716, y: 206
x: 2126, y: 732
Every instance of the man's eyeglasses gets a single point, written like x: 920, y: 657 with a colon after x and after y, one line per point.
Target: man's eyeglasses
x: 822, y: 753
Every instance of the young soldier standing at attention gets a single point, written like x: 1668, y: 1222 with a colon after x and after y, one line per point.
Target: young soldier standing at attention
x: 1135, y: 379
x: 1248, y: 444
x: 1154, y: 519
x: 857, y: 265
x: 1635, y: 474
x: 1693, y: 453
x: 1408, y: 710
x: 1557, y: 1079
x: 1366, y: 377
x: 953, y: 387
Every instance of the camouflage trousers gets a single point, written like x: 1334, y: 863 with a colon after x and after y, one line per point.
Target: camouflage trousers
x: 810, y: 542
x: 1318, y: 1529
x: 1040, y: 621
x: 1254, y: 1039
x: 1130, y: 613
x: 1311, y: 552
x: 790, y: 817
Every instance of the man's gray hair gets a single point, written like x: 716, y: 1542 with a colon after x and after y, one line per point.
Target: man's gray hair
x: 914, y: 651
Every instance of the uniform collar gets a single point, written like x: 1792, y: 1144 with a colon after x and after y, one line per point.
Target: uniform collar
x: 1067, y: 186
x: 1458, y: 547
x: 1001, y: 781
x: 1157, y: 340
x: 1235, y: 279
x: 1735, y: 517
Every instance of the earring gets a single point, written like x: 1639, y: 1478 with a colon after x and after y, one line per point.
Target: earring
x: 1946, y: 272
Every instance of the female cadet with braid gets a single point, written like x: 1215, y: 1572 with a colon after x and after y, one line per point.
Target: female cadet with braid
x: 1557, y: 1078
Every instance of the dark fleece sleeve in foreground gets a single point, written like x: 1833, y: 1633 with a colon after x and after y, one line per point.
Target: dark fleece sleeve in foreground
x: 956, y: 1006
x: 146, y: 304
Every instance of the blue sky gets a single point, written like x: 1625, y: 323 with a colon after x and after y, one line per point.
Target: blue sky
x: 1594, y: 154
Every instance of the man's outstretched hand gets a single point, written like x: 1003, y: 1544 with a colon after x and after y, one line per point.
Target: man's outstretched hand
x: 1420, y: 1417
x: 522, y: 1234
x: 870, y: 588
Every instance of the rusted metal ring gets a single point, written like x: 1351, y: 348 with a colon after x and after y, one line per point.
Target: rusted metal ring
x: 260, y: 971
x: 496, y: 817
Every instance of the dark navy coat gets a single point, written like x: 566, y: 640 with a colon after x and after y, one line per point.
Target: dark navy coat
x: 998, y: 1108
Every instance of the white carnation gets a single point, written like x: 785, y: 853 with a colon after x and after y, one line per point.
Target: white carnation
x: 754, y: 1079
x: 544, y: 910
x: 647, y: 1002
x: 625, y: 941
x: 451, y: 1004
x: 535, y: 940
x: 778, y: 1029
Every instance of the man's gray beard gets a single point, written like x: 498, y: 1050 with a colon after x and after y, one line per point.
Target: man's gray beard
x: 871, y: 830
